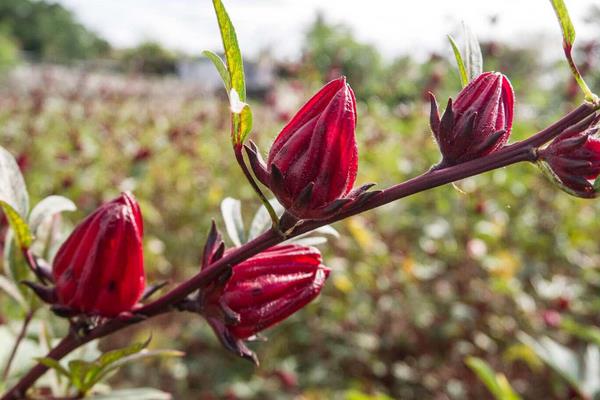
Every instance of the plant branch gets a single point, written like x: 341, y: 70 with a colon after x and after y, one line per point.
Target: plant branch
x: 518, y: 152
x: 17, y: 343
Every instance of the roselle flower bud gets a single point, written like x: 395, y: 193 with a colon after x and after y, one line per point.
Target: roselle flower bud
x: 312, y: 164
x: 99, y: 270
x: 572, y: 160
x: 262, y: 291
x: 478, y: 122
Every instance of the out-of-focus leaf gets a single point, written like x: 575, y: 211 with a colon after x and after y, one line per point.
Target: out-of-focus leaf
x: 590, y: 381
x: 221, y: 68
x: 48, y: 207
x: 497, y: 384
x: 231, y: 209
x: 233, y: 55
x: 261, y: 221
x: 462, y: 70
x: 13, y: 291
x: 568, y: 30
x: 473, y: 57
x: 588, y: 333
x: 17, y: 270
x: 18, y: 225
x: 139, y: 356
x: 558, y: 357
x: 133, y: 394
x: 12, y: 185
x: 84, y: 375
x: 354, y: 394
x: 54, y: 365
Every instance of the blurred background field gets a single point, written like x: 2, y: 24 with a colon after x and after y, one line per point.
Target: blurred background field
x: 417, y: 286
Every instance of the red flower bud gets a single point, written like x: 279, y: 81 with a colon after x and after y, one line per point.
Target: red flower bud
x: 262, y: 291
x: 99, y: 270
x: 478, y: 122
x: 313, y: 162
x: 573, y: 159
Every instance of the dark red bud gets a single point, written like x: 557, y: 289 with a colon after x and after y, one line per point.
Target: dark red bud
x: 314, y: 160
x: 262, y: 291
x: 99, y: 270
x: 573, y: 158
x: 273, y: 285
x: 478, y: 122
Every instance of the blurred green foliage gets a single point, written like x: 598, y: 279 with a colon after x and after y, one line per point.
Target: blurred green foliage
x: 417, y: 286
x: 149, y: 58
x: 47, y: 31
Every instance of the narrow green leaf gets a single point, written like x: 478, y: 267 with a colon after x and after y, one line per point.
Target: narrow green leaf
x: 18, y: 225
x: 136, y: 357
x: 104, y: 364
x: 78, y: 372
x: 245, y: 123
x: 568, y: 30
x: 115, y: 355
x: 496, y: 383
x: 221, y: 68
x: 585, y: 332
x: 55, y: 365
x: 464, y: 79
x: 233, y: 55
x: 473, y: 57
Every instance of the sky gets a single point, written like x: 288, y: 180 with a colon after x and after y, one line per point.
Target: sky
x: 394, y: 26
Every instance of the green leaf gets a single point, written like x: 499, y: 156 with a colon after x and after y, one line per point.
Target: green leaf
x: 133, y: 394
x: 143, y: 354
x: 245, y: 123
x: 464, y: 79
x: 568, y: 30
x: 497, y: 384
x: 48, y: 207
x: 18, y: 225
x: 12, y: 185
x: 221, y: 68
x: 55, y: 365
x: 231, y: 209
x: 100, y: 367
x: 79, y: 371
x: 473, y: 57
x: 233, y: 55
x: 587, y: 333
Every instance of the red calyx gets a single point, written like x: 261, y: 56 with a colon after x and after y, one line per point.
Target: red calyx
x: 312, y: 164
x: 99, y: 270
x: 262, y: 291
x: 478, y: 122
x: 573, y: 158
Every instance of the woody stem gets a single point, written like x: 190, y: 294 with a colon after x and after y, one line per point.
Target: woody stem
x: 522, y: 151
